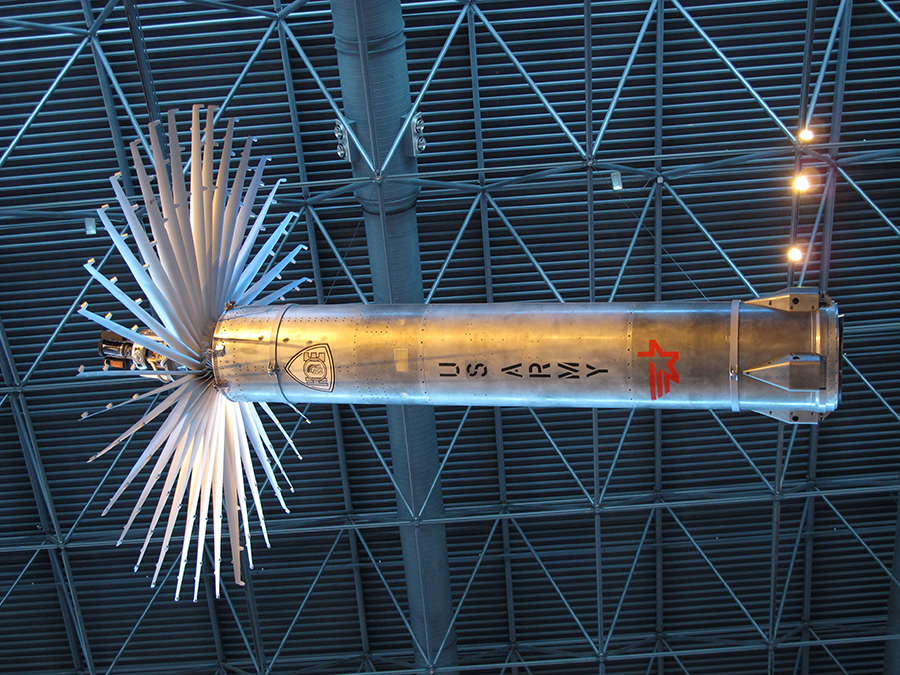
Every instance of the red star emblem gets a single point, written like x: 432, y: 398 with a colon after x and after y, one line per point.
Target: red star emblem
x: 660, y: 378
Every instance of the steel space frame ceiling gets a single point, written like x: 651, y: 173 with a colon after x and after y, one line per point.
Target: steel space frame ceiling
x: 577, y: 541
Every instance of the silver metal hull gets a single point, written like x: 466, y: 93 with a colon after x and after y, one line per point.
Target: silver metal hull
x: 778, y: 355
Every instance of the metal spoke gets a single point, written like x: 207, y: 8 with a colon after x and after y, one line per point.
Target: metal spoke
x: 306, y: 597
x: 709, y: 41
x: 871, y: 388
x: 462, y: 229
x: 709, y: 236
x: 561, y: 455
x: 531, y: 83
x: 523, y: 246
x: 555, y: 587
x: 743, y: 452
x: 709, y: 562
x: 859, y: 538
x: 625, y: 73
x: 19, y: 578
x: 393, y: 598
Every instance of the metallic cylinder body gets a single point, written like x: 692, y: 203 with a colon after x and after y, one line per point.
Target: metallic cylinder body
x: 783, y: 362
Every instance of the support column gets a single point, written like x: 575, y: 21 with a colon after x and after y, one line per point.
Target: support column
x: 374, y: 76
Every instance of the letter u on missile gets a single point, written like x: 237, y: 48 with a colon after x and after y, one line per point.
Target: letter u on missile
x: 779, y: 355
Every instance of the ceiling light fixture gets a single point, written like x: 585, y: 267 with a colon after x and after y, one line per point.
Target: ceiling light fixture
x: 801, y: 183
x: 616, y: 178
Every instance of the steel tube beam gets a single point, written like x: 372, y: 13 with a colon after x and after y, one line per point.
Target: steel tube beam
x: 891, y: 12
x: 337, y: 254
x: 459, y: 235
x: 737, y: 73
x: 808, y: 526
x: 312, y: 587
x: 559, y: 592
x: 417, y: 647
x: 531, y: 83
x: 524, y: 247
x: 630, y: 503
x: 110, y: 108
x: 71, y: 611
x: 431, y: 73
x: 370, y: 43
x: 562, y: 457
x: 40, y: 105
x: 143, y: 58
x: 159, y: 586
x: 709, y: 562
x: 826, y: 57
x: 588, y: 131
x: 651, y: 11
x: 634, y: 237
x: 354, y: 544
x: 711, y: 239
x: 565, y: 654
x: 19, y: 577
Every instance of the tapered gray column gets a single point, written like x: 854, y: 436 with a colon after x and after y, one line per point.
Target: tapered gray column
x: 374, y: 76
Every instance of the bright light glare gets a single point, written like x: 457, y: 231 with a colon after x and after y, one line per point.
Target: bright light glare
x: 806, y: 135
x: 801, y: 183
x: 795, y: 254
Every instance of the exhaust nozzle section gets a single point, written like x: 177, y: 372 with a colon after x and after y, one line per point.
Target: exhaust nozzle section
x: 778, y: 355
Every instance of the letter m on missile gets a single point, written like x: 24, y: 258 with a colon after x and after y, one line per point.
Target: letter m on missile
x: 661, y: 376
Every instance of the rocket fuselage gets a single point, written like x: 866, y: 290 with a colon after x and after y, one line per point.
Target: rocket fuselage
x: 778, y: 355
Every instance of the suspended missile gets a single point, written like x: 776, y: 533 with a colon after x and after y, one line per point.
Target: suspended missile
x: 778, y: 355
x: 205, y: 254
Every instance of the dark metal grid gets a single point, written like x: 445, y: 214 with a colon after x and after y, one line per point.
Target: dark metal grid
x: 830, y: 639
